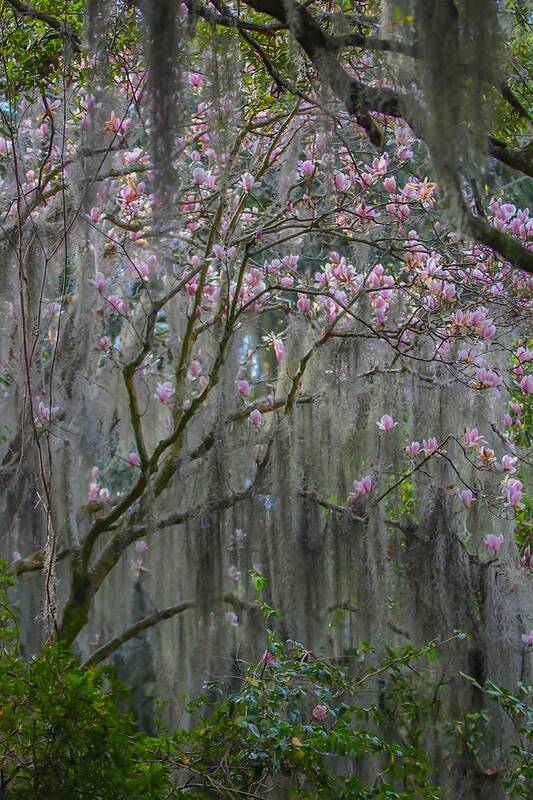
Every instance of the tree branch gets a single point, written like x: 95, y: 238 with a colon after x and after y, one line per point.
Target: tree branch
x: 139, y: 626
x: 56, y: 24
x: 337, y: 509
x: 519, y: 159
x: 372, y: 43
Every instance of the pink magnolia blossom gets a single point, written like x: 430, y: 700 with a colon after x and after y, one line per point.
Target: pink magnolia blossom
x: 303, y: 303
x: 46, y: 411
x: 513, y: 490
x: 93, y: 491
x: 487, y: 379
x: 199, y: 176
x: 473, y: 439
x: 163, y: 391
x: 526, y: 559
x: 248, y: 181
x: 508, y: 463
x: 196, y: 80
x: 320, y: 712
x: 194, y: 370
x: 467, y: 497
x: 105, y: 344
x: 342, y: 183
x: 364, y: 486
x: 527, y: 638
x: 494, y: 541
x: 526, y: 384
x: 105, y: 494
x: 255, y: 419
x: 117, y: 303
x: 386, y: 423
x: 430, y: 445
x: 390, y: 184
x: 413, y: 449
x: 133, y: 459
x: 100, y: 281
x: 487, y: 456
x: 307, y: 168
x: 244, y: 388
x: 232, y: 618
x: 524, y: 354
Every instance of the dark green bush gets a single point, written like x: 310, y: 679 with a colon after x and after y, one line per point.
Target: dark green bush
x: 315, y: 727
x: 61, y: 733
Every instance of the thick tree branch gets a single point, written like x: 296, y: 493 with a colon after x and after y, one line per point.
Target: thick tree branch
x: 373, y: 43
x: 507, y: 246
x: 86, y: 580
x: 150, y: 621
x: 519, y: 159
x: 141, y: 625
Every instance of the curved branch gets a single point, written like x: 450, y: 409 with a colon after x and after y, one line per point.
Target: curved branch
x: 139, y: 626
x: 519, y: 159
x: 110, y: 647
x: 507, y: 246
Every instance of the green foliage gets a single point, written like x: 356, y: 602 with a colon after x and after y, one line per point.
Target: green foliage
x: 518, y: 67
x: 311, y: 724
x: 516, y: 768
x: 333, y: 729
x: 33, y: 54
x: 61, y: 733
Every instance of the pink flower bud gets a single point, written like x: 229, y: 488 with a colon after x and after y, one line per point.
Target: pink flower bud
x: 248, y: 181
x: 307, y: 168
x: 244, y: 388
x: 320, y: 712
x: 526, y: 384
x: 279, y: 350
x: 467, y: 498
x: 255, y: 419
x: 117, y: 303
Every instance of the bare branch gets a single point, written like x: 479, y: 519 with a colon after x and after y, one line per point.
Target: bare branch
x: 331, y: 506
x: 139, y: 626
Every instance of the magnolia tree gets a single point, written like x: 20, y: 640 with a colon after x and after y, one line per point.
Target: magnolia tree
x: 190, y: 191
